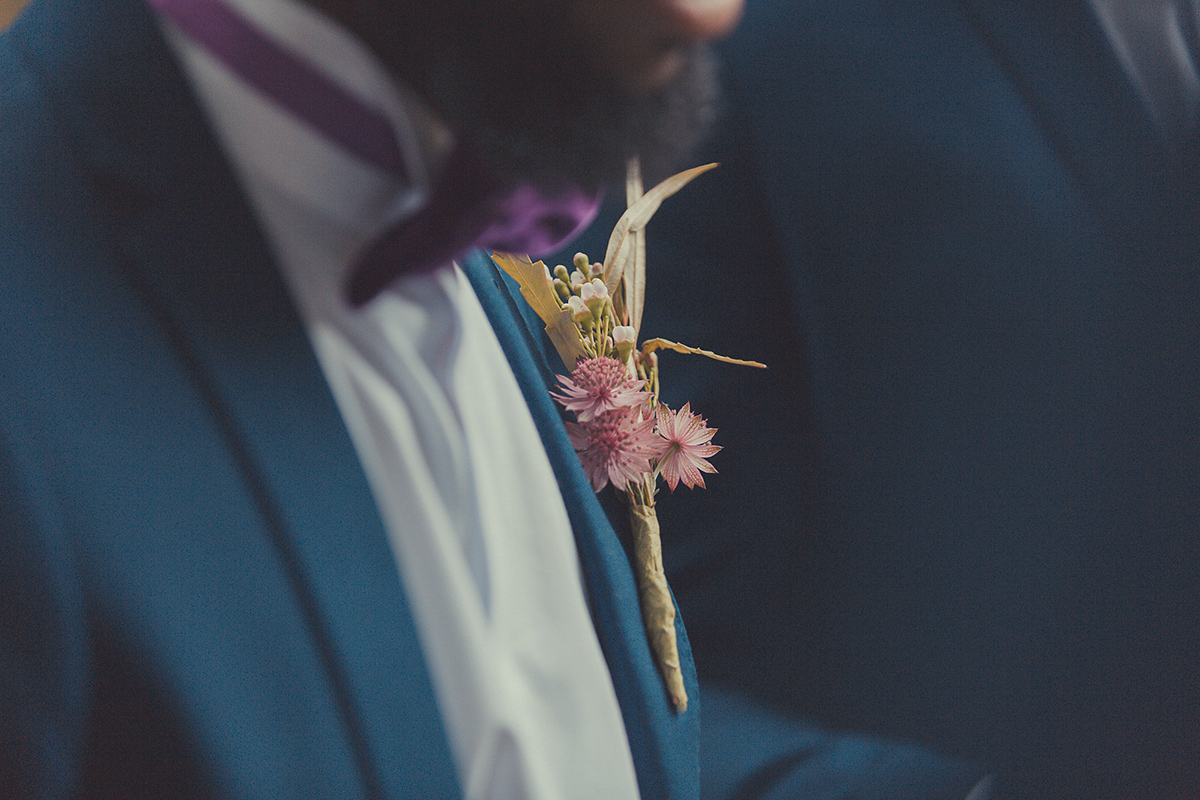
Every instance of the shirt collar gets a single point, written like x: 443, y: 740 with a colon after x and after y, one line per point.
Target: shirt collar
x: 271, y: 145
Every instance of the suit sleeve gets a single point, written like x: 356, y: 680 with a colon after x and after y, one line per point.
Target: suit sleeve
x: 751, y: 752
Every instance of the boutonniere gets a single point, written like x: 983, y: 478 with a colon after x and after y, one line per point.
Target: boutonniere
x: 623, y: 434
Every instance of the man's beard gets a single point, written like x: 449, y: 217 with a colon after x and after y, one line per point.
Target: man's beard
x: 519, y: 92
x: 589, y: 135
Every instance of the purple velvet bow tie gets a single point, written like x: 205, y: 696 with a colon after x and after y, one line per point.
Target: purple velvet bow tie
x: 466, y: 209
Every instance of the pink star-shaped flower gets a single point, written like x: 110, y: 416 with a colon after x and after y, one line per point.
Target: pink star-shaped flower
x: 597, y: 386
x: 688, y: 445
x: 616, y: 446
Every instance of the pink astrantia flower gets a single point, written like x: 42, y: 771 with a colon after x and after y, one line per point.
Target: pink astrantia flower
x: 688, y: 443
x: 597, y: 386
x: 617, y: 446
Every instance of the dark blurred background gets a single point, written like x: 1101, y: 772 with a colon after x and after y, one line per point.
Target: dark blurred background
x: 961, y: 506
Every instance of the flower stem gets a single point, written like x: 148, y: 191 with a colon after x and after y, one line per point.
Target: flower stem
x: 658, y: 608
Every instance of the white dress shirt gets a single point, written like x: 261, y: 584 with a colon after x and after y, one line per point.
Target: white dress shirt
x: 472, y: 510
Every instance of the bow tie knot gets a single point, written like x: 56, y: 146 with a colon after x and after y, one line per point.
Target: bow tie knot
x: 467, y: 210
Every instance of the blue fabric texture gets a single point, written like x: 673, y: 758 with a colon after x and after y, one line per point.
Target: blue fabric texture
x: 750, y: 750
x: 157, y: 373
x: 197, y: 595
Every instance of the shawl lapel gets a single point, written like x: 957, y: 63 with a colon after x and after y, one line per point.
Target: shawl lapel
x: 187, y: 239
x: 665, y: 744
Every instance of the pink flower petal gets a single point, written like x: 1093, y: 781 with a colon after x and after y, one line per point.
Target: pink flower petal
x: 617, y: 447
x: 687, y: 446
x: 597, y: 386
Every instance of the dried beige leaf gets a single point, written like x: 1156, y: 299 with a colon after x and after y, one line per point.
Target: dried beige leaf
x: 536, y: 288
x: 650, y: 345
x: 564, y: 335
x: 635, y: 270
x: 539, y: 292
x: 635, y: 219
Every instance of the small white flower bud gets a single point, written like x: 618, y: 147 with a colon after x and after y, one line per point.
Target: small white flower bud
x: 578, y: 307
x: 595, y: 294
x: 624, y: 340
x: 580, y: 313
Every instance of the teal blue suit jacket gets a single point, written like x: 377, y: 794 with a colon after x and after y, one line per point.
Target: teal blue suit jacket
x: 197, y: 586
x: 197, y: 598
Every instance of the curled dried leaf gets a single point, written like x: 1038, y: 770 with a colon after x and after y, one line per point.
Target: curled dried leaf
x: 650, y: 345
x: 635, y: 218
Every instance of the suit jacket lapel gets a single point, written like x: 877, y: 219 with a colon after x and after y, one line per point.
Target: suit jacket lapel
x: 1059, y: 57
x: 198, y: 258
x: 665, y: 744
